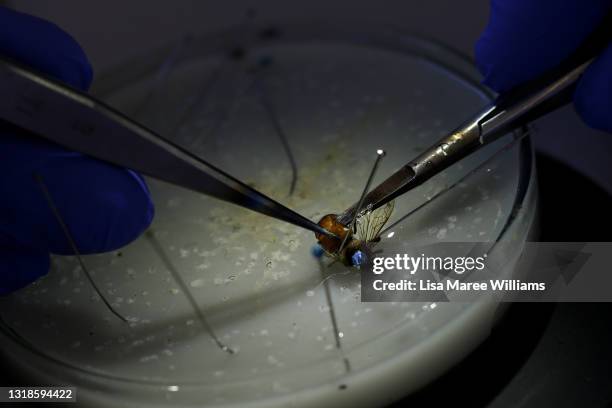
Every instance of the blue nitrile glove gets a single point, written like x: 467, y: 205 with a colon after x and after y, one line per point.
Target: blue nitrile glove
x: 104, y: 206
x: 524, y: 38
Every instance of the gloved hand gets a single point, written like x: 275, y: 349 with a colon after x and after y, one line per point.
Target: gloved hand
x: 525, y: 38
x: 104, y: 206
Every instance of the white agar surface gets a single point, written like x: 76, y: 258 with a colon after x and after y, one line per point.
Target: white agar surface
x: 253, y: 277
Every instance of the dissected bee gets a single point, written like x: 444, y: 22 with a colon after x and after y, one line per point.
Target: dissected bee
x: 364, y: 235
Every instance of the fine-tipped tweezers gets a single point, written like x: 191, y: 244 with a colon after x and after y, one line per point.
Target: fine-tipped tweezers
x: 510, y: 111
x: 81, y: 123
x: 77, y: 121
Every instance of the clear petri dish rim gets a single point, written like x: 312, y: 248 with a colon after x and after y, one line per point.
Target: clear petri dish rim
x: 452, y: 62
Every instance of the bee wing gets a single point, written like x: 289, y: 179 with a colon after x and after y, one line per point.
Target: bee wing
x: 370, y: 225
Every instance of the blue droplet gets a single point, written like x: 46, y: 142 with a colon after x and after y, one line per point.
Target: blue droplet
x: 358, y: 258
x: 317, y: 251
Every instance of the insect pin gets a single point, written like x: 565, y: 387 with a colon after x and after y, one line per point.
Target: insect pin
x: 354, y: 242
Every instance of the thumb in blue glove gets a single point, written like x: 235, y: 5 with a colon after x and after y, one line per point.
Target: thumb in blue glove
x: 525, y: 38
x: 104, y: 206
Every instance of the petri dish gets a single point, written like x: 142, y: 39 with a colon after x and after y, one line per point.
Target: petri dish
x: 297, y: 111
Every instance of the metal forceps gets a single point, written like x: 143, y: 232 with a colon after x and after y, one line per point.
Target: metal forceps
x: 81, y: 123
x: 508, y: 112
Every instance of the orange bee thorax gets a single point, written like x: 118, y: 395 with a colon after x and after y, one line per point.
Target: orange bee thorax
x: 330, y: 244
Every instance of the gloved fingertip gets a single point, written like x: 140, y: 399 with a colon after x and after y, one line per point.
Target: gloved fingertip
x: 20, y: 266
x: 486, y: 63
x: 104, y: 206
x: 480, y: 56
x: 45, y: 47
x: 135, y: 215
x: 525, y: 38
x: 593, y: 96
x: 112, y: 207
x: 494, y: 52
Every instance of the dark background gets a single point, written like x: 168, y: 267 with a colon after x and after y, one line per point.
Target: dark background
x: 540, y: 354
